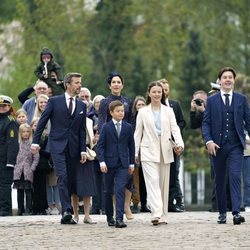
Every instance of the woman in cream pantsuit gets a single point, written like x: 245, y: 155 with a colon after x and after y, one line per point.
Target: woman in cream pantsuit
x: 154, y: 126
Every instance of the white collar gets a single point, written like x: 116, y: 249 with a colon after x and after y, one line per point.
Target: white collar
x: 116, y: 122
x: 223, y: 93
x: 67, y: 96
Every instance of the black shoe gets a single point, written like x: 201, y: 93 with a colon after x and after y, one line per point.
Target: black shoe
x: 222, y: 219
x: 120, y: 224
x: 66, y: 218
x: 180, y: 207
x: 95, y: 211
x: 144, y: 209
x: 70, y: 222
x: 135, y: 209
x: 111, y: 222
x: 175, y: 209
x: 238, y: 219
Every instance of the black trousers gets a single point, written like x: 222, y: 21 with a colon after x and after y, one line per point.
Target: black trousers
x: 175, y: 192
x: 142, y: 188
x: 6, y: 179
x: 20, y: 200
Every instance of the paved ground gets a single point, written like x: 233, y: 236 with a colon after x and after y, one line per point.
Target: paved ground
x: 188, y: 230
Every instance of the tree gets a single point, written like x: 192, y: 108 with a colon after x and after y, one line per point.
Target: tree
x: 112, y: 45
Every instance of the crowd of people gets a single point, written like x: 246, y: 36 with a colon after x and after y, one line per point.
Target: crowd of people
x: 63, y: 150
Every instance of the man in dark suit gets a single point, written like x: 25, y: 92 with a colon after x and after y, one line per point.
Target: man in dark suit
x: 116, y: 153
x: 67, y: 139
x: 226, y: 114
x: 175, y: 192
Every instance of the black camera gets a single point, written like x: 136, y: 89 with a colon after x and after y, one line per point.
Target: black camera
x: 198, y: 102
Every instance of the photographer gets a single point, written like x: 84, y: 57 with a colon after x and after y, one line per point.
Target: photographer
x: 198, y: 105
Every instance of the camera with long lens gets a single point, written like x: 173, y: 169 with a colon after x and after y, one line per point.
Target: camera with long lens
x: 198, y: 102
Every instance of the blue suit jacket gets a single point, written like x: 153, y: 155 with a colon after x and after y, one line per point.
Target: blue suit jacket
x: 111, y: 148
x: 212, y: 124
x: 64, y: 130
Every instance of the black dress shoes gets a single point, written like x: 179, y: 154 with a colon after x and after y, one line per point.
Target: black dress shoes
x: 175, y: 209
x: 111, y: 222
x: 144, y: 209
x: 238, y: 219
x: 67, y: 218
x: 222, y: 219
x: 120, y: 224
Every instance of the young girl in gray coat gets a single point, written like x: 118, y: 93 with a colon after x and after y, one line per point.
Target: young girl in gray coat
x: 23, y: 172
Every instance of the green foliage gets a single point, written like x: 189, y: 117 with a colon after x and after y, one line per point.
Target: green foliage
x: 7, y: 10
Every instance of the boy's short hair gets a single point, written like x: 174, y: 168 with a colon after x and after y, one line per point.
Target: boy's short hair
x: 114, y: 104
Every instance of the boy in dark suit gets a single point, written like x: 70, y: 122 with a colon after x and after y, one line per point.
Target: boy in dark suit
x: 226, y: 116
x: 116, y: 152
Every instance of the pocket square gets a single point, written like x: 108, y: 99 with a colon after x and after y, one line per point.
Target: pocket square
x: 81, y: 113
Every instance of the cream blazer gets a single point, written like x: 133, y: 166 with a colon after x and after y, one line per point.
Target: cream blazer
x: 146, y: 138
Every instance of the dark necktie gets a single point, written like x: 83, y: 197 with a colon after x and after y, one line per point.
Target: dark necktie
x: 118, y: 128
x: 227, y: 100
x: 70, y: 105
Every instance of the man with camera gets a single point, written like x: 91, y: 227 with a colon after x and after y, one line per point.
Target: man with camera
x: 198, y: 105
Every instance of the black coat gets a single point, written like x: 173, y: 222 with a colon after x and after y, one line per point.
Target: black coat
x: 8, y: 139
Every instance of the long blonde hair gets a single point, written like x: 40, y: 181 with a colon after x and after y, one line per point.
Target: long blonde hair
x: 38, y: 112
x: 21, y: 129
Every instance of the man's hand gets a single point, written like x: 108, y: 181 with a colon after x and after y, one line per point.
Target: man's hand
x: 34, y: 149
x: 178, y: 150
x: 195, y: 107
x: 104, y: 169
x: 212, y: 148
x: 137, y: 160
x: 83, y: 158
x: 130, y: 171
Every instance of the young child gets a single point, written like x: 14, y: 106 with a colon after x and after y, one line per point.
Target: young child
x: 25, y: 166
x: 116, y: 152
x: 50, y: 72
x: 21, y: 116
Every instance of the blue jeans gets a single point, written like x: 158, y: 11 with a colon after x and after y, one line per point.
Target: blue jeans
x: 246, y: 181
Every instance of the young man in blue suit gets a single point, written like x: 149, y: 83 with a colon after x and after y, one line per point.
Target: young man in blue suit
x: 116, y: 152
x: 67, y: 139
x: 226, y: 115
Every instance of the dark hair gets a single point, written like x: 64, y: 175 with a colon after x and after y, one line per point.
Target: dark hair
x: 151, y: 85
x: 226, y: 69
x: 68, y: 77
x: 113, y: 74
x: 137, y: 98
x: 114, y: 104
